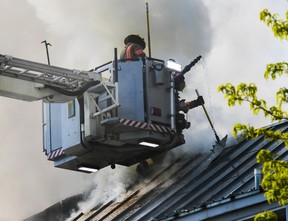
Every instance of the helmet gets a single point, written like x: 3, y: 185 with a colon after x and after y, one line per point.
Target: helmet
x: 135, y: 39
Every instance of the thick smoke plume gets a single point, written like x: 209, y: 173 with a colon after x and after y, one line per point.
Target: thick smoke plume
x: 105, y: 186
x: 235, y: 45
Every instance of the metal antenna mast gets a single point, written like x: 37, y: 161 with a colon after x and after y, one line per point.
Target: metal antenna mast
x: 49, y: 105
x: 47, y: 52
x: 148, y: 29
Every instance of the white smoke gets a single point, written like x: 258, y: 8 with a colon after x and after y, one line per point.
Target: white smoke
x: 92, y: 29
x: 243, y: 40
x: 106, y: 185
x: 236, y: 47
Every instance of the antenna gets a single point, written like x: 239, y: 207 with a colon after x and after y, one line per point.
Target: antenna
x: 47, y: 52
x: 49, y: 104
x: 148, y: 29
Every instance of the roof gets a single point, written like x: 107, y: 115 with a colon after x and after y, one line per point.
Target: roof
x: 203, y: 187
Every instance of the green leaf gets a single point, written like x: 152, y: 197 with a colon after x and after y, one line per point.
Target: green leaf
x: 275, y: 171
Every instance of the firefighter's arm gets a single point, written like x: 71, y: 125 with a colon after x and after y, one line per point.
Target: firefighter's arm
x: 185, y: 106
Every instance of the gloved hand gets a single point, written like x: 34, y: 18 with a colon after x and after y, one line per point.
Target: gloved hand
x: 200, y: 100
x: 196, y: 103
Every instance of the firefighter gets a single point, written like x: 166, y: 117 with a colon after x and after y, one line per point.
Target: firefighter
x: 184, y: 105
x: 134, y: 46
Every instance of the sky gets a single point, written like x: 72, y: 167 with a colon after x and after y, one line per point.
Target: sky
x: 234, y: 43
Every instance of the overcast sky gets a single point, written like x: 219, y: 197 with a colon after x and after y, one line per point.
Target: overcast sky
x: 235, y: 45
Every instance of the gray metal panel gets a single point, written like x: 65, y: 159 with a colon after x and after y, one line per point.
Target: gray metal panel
x: 70, y: 127
x: 158, y: 91
x: 54, y: 127
x: 91, y: 126
x: 61, y: 131
x: 131, y: 95
x: 9, y: 87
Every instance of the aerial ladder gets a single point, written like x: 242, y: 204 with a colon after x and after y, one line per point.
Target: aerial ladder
x: 41, y: 81
x: 118, y: 113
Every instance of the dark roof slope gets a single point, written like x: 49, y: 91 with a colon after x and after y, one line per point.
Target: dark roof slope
x: 59, y: 211
x: 205, y: 182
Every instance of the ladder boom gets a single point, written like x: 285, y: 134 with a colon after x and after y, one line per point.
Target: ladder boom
x: 64, y: 81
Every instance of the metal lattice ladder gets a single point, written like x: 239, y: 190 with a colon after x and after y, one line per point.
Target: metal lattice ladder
x: 111, y: 91
x: 67, y: 79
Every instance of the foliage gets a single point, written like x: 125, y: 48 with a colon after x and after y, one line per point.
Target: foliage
x: 247, y: 92
x: 275, y: 171
x: 275, y: 179
x: 266, y: 216
x: 279, y: 26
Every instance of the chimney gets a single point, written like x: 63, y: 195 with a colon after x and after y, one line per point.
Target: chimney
x: 258, y: 178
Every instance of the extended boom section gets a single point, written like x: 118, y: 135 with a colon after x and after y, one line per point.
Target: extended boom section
x: 36, y: 80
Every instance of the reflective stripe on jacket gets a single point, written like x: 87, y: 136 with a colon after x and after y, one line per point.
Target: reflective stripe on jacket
x: 132, y: 51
